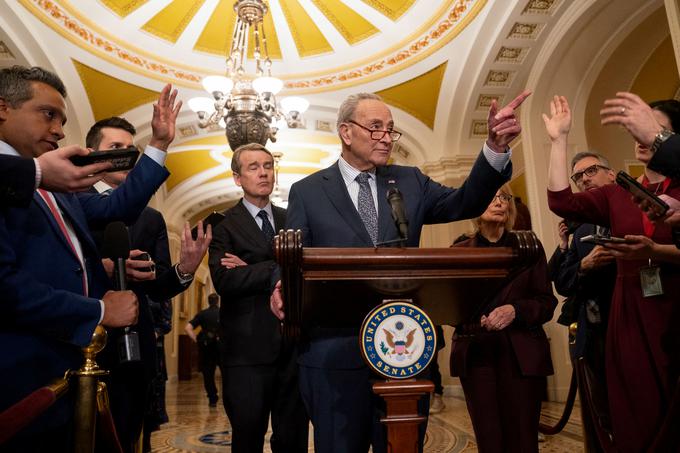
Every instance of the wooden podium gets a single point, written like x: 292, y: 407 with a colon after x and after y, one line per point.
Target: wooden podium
x: 337, y: 287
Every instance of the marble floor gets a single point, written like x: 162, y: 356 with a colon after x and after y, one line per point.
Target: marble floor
x: 195, y: 427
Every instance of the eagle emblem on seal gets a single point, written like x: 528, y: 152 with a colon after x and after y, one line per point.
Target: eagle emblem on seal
x: 399, y: 341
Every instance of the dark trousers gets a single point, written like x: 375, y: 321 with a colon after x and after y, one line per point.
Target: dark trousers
x: 129, y: 395
x: 209, y: 355
x: 595, y: 389
x: 504, y: 406
x: 252, y: 393
x: 346, y: 413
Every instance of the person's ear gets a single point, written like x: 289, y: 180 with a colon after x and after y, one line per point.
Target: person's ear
x: 237, y: 179
x: 4, y: 107
x: 345, y: 134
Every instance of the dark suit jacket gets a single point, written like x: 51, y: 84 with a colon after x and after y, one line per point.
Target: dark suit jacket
x: 148, y: 233
x: 46, y: 318
x: 17, y: 180
x: 250, y: 332
x: 320, y: 206
x: 666, y: 160
x: 597, y: 284
x: 530, y: 292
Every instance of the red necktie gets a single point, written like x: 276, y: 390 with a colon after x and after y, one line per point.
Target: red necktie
x: 62, y: 226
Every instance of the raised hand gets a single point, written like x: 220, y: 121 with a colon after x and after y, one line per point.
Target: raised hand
x: 165, y: 113
x: 503, y: 124
x: 192, y: 251
x: 558, y: 124
x: 563, y: 234
x: 630, y: 111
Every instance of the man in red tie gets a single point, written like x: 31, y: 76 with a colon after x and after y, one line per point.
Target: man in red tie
x: 54, y: 288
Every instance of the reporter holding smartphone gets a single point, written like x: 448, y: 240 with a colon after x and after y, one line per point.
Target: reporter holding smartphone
x: 151, y: 276
x: 639, y: 380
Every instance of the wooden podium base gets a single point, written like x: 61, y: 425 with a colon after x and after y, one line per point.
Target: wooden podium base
x: 402, y: 418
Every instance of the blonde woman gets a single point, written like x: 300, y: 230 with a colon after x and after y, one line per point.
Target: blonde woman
x: 503, y: 358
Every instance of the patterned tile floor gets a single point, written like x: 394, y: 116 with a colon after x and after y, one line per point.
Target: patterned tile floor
x: 194, y: 427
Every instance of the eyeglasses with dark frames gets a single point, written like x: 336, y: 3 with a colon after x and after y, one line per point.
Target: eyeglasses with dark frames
x: 590, y: 172
x: 378, y: 134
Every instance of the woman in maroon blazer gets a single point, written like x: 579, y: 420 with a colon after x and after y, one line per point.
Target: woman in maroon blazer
x: 503, y: 358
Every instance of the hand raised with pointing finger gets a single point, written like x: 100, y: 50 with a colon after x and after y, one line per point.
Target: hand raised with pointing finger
x: 503, y: 124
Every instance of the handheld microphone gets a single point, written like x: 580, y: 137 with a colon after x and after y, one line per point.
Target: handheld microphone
x: 396, y: 202
x: 117, y: 248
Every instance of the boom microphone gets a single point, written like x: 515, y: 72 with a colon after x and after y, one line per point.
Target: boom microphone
x: 117, y: 248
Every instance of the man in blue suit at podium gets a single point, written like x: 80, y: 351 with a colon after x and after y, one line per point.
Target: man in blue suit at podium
x: 345, y: 206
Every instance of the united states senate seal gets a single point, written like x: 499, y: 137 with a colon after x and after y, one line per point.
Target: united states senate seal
x: 397, y: 340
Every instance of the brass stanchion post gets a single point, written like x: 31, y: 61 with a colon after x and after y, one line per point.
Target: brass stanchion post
x: 86, y: 400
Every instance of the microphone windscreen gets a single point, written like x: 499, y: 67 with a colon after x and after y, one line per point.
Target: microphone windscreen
x: 116, y: 241
x: 392, y: 192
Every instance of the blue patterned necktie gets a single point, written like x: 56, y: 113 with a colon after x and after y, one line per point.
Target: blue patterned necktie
x: 366, y: 207
x: 266, y: 226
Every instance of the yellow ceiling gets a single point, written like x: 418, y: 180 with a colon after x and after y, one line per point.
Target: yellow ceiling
x: 123, y: 7
x: 110, y: 96
x: 184, y: 165
x: 309, y: 40
x: 418, y: 96
x: 350, y: 24
x: 171, y: 21
x: 391, y: 8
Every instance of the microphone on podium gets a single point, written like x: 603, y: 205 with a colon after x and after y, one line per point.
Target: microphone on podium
x: 117, y: 247
x: 396, y: 202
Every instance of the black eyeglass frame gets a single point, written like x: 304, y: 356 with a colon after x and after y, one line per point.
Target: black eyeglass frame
x: 382, y: 132
x: 590, y: 171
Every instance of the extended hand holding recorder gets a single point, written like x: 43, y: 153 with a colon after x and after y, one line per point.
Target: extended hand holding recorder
x: 121, y: 158
x: 637, y: 190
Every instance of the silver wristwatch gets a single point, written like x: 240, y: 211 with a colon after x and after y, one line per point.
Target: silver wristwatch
x: 183, y: 277
x: 659, y: 138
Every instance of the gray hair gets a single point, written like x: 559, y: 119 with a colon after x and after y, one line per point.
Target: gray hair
x: 583, y: 154
x: 349, y: 106
x: 236, y: 157
x: 15, y: 83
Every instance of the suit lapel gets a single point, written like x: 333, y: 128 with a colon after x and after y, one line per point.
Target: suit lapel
x: 335, y: 189
x: 53, y: 221
x: 279, y: 218
x: 248, y: 226
x: 78, y: 223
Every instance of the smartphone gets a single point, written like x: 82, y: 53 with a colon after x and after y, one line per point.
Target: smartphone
x: 213, y: 220
x: 121, y: 158
x: 637, y: 190
x: 145, y: 257
x: 602, y: 240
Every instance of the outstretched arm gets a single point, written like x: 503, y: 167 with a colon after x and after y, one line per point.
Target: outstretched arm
x: 557, y: 125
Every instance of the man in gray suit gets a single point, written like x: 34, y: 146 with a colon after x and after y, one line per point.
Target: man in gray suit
x: 344, y: 206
